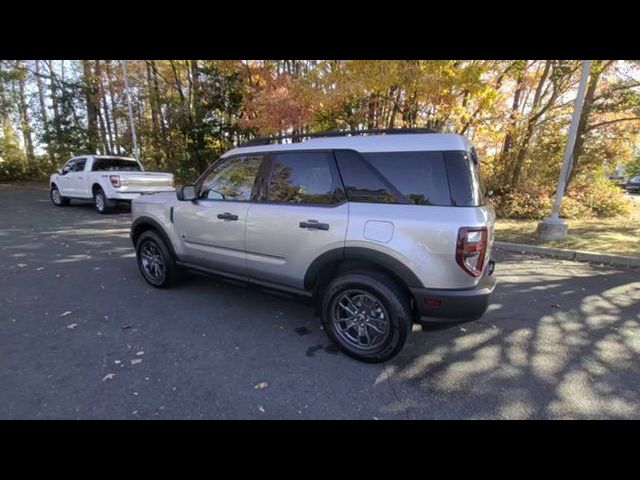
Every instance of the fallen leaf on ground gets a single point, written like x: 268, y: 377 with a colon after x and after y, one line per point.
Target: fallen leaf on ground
x: 108, y: 376
x: 261, y: 385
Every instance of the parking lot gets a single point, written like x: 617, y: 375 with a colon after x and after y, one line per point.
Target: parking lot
x: 83, y: 336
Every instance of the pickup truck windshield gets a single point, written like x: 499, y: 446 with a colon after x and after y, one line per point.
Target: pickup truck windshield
x: 115, y: 165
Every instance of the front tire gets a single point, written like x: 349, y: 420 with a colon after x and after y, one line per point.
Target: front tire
x: 367, y: 315
x: 56, y: 198
x: 155, y: 261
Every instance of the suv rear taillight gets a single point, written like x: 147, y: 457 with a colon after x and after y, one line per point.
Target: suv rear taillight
x: 471, y: 249
x: 115, y: 180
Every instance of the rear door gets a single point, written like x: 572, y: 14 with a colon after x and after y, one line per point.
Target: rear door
x: 212, y: 227
x: 301, y: 214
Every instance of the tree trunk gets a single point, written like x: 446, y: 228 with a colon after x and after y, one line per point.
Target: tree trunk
x: 116, y: 137
x: 25, y: 125
x: 531, y: 122
x: 55, y: 105
x: 596, y: 72
x: 108, y: 137
x: 92, y: 107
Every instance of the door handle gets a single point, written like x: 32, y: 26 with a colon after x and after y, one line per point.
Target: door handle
x: 314, y: 224
x: 227, y: 216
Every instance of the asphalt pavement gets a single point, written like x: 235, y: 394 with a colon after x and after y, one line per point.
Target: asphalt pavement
x: 83, y: 336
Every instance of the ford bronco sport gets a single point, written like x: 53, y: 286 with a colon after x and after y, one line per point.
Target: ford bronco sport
x: 383, y: 229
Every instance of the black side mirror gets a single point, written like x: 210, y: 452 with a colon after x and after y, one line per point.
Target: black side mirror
x: 186, y: 193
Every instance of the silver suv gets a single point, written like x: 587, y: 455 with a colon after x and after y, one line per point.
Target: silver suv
x: 381, y: 230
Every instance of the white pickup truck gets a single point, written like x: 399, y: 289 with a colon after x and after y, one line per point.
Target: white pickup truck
x: 106, y: 179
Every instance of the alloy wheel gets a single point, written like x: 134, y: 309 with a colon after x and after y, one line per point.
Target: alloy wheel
x: 360, y: 319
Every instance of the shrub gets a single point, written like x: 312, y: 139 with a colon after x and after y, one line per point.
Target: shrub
x: 599, y: 196
x: 588, y: 196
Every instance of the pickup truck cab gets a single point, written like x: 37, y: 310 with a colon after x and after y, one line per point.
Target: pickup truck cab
x: 106, y: 179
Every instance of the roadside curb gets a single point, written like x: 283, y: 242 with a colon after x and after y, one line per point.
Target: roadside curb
x: 576, y: 255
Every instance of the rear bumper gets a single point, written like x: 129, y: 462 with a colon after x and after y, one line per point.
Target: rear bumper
x: 437, y: 305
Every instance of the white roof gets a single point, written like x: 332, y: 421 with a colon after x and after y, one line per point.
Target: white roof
x: 103, y: 156
x: 405, y: 142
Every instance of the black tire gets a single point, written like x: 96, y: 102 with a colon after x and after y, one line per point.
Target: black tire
x: 169, y: 272
x: 102, y: 204
x: 390, y: 302
x: 57, y: 199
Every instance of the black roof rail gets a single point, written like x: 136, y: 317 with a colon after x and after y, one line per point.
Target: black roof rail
x: 336, y: 133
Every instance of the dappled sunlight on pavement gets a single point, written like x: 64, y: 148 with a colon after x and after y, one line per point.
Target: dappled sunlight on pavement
x: 564, y: 344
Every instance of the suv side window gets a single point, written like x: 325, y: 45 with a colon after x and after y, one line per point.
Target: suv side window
x: 420, y: 176
x: 79, y: 165
x: 363, y: 184
x: 232, y: 179
x: 69, y: 166
x: 303, y: 177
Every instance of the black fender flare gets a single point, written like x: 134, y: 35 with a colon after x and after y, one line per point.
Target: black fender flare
x: 376, y: 257
x: 155, y: 225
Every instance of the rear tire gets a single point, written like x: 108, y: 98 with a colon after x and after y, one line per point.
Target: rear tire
x: 155, y: 261
x: 367, y: 315
x: 57, y: 199
x: 100, y: 200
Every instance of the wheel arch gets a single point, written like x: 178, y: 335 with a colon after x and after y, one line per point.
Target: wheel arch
x: 335, y: 261
x: 144, y: 224
x: 95, y: 187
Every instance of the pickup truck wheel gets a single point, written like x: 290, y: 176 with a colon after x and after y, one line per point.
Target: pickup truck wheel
x: 155, y: 261
x: 101, y: 202
x: 367, y: 316
x: 57, y: 199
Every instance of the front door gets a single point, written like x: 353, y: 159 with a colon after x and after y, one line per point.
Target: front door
x: 212, y: 227
x: 303, y: 214
x: 75, y: 178
x: 65, y: 185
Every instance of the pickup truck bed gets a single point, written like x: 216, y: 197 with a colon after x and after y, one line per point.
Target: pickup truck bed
x: 107, y: 180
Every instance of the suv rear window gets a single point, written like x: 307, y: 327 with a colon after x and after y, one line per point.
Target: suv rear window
x: 115, y: 164
x: 420, y: 178
x: 465, y: 183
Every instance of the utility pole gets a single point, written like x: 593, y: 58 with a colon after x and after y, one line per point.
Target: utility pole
x: 134, y: 143
x: 553, y: 227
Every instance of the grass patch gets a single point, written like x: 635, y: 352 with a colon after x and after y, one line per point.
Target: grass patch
x: 618, y: 235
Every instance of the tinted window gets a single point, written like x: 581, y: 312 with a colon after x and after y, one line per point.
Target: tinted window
x: 115, y: 164
x: 303, y: 177
x: 68, y: 166
x: 363, y: 184
x: 79, y: 166
x: 420, y: 176
x: 232, y: 179
x: 464, y: 180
